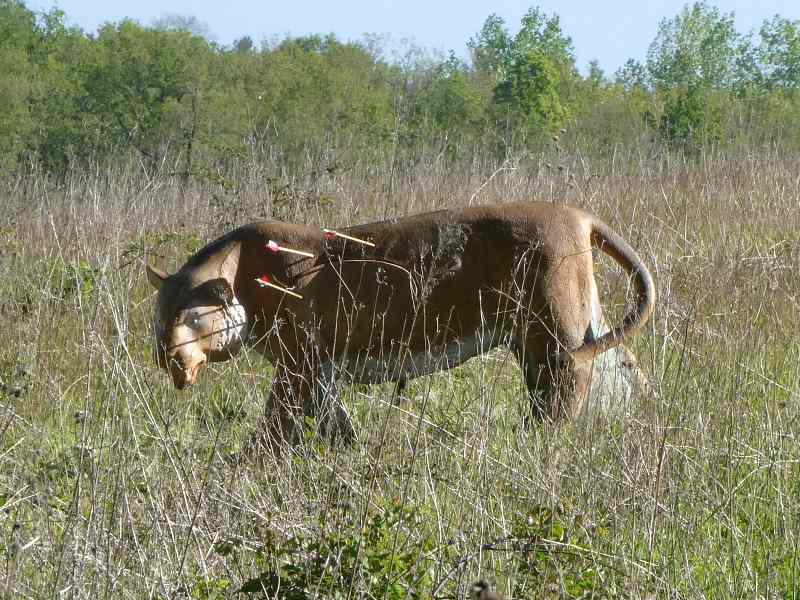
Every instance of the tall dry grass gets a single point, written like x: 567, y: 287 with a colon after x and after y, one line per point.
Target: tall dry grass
x: 114, y: 484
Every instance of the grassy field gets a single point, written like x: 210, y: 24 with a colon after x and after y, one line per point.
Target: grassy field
x: 113, y: 484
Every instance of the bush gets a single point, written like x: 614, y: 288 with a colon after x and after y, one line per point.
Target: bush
x: 346, y: 559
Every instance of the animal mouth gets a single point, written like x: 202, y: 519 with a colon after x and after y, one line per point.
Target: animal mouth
x: 183, y: 377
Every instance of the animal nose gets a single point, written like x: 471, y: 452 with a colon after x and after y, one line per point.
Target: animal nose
x: 184, y: 375
x: 178, y: 374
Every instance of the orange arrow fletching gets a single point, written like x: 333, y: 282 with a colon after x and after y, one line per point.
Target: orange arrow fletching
x: 329, y: 233
x: 264, y: 281
x: 273, y: 246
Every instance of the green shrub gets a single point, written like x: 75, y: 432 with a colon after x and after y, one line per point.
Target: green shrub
x: 374, y: 559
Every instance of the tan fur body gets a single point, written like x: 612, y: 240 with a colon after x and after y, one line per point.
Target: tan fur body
x: 437, y: 289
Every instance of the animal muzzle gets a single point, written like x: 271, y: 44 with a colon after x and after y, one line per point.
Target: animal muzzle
x: 184, y: 375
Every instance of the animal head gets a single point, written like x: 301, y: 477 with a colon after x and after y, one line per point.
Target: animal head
x: 197, y: 320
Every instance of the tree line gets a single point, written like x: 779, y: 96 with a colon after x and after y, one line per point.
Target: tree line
x: 165, y: 94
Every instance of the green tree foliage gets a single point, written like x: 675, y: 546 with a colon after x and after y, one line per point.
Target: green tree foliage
x: 454, y: 104
x: 530, y: 75
x: 779, y: 53
x: 58, y: 97
x: 138, y: 77
x: 244, y: 45
x: 167, y: 98
x: 314, y: 93
x: 43, y: 86
x: 187, y: 23
x: 631, y: 75
x: 692, y: 116
x: 492, y: 48
x: 529, y: 92
x: 700, y: 47
x: 17, y: 37
x: 543, y: 34
x: 695, y: 54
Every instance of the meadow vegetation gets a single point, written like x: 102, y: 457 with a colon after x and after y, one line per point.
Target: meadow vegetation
x: 114, y: 484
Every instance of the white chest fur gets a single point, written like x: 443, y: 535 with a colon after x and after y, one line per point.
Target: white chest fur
x: 231, y: 327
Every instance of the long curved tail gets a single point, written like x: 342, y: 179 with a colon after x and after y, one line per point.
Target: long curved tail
x: 603, y: 238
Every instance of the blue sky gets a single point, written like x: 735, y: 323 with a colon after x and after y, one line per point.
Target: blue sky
x: 610, y: 31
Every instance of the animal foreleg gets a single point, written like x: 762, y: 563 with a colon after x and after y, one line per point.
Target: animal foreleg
x: 537, y: 382
x: 281, y: 423
x: 325, y: 406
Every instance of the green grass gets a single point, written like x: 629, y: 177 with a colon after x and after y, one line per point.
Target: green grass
x: 113, y: 484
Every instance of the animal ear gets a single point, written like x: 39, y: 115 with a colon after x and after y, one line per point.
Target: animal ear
x: 220, y: 290
x: 230, y: 263
x: 155, y: 276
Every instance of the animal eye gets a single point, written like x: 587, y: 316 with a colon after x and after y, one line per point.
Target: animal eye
x: 193, y: 321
